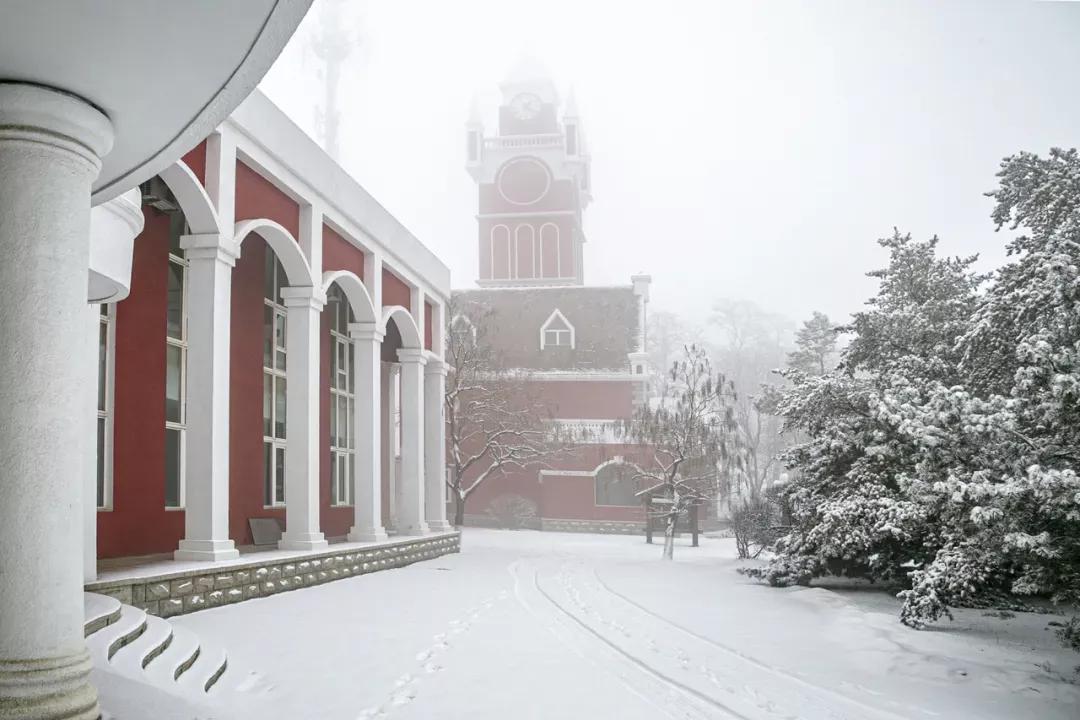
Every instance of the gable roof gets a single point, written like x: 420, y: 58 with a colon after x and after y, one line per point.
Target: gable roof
x: 605, y: 322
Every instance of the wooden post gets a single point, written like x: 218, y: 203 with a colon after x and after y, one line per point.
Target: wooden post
x: 694, y: 525
x: 648, y: 519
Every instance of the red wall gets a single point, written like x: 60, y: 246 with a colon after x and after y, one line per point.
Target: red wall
x: 257, y: 197
x: 428, y: 330
x: 196, y: 160
x: 588, y: 400
x: 245, y: 393
x: 561, y: 496
x: 394, y: 290
x: 340, y: 254
x: 138, y: 524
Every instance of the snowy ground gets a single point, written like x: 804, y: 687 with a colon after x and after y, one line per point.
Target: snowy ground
x: 547, y: 625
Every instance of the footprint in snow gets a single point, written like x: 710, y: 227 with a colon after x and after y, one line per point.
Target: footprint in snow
x: 404, y: 680
x: 403, y: 698
x: 431, y: 668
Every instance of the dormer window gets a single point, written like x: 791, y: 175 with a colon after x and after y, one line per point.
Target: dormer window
x: 557, y: 332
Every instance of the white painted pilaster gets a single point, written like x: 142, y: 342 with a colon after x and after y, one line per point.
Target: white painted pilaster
x: 311, y: 239
x: 411, y: 513
x: 221, y: 175
x: 367, y: 492
x: 50, y: 149
x: 302, y: 532
x: 435, y: 445
x: 206, y: 457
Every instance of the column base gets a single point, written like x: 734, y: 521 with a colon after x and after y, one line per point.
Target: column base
x: 206, y: 550
x: 367, y: 535
x: 303, y: 541
x: 421, y: 529
x: 48, y: 689
x: 439, y: 526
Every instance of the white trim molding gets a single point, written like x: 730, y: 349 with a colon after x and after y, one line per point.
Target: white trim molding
x: 557, y: 314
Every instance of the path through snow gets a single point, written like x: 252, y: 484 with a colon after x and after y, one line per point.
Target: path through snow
x: 547, y: 625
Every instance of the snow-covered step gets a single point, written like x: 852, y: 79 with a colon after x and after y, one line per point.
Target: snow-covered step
x: 178, y: 657
x: 133, y: 658
x: 99, y: 611
x: 107, y: 641
x: 207, y: 669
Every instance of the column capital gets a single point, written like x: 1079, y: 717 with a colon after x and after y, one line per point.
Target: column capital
x: 411, y: 356
x: 303, y: 296
x: 51, y: 117
x: 436, y: 366
x: 210, y: 246
x: 366, y: 331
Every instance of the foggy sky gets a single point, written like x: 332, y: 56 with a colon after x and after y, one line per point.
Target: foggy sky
x: 742, y: 150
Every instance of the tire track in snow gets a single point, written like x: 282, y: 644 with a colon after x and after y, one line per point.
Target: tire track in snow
x: 862, y: 710
x: 669, y: 696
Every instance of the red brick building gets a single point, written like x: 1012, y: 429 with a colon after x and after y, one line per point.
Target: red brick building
x: 581, y: 347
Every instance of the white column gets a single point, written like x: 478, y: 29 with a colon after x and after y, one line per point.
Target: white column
x: 206, y: 458
x: 367, y: 491
x: 302, y: 532
x: 50, y: 149
x: 435, y: 445
x: 410, y: 514
x: 390, y: 383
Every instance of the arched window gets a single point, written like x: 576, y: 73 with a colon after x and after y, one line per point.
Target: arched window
x: 274, y: 365
x: 524, y: 239
x: 500, y: 252
x: 342, y: 399
x: 549, y: 250
x: 616, y: 485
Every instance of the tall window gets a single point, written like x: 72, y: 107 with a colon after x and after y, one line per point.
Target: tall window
x: 175, y: 366
x: 274, y: 314
x: 342, y: 400
x: 106, y: 345
x: 615, y: 485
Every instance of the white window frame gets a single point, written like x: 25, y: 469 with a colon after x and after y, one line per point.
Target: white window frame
x: 518, y: 236
x: 342, y: 376
x: 105, y: 407
x: 509, y: 255
x: 278, y: 446
x: 181, y: 344
x: 558, y: 251
x: 557, y: 314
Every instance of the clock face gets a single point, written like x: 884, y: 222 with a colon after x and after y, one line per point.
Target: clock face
x: 526, y: 106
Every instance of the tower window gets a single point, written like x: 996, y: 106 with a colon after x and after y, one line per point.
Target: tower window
x: 571, y: 139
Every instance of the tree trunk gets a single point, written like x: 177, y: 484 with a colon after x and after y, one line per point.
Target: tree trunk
x: 669, y: 536
x: 459, y: 510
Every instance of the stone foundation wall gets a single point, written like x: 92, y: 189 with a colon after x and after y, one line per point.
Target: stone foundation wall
x: 594, y: 526
x: 183, y: 592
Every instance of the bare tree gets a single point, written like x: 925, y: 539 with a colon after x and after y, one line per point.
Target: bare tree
x: 495, y: 423
x: 690, y: 434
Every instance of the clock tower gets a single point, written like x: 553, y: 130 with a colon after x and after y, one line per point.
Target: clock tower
x: 533, y: 179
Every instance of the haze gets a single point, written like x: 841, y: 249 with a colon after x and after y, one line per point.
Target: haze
x: 740, y: 150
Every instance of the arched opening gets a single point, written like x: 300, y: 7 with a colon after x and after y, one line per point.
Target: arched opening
x: 269, y: 261
x: 401, y: 333
x: 616, y: 484
x: 347, y: 303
